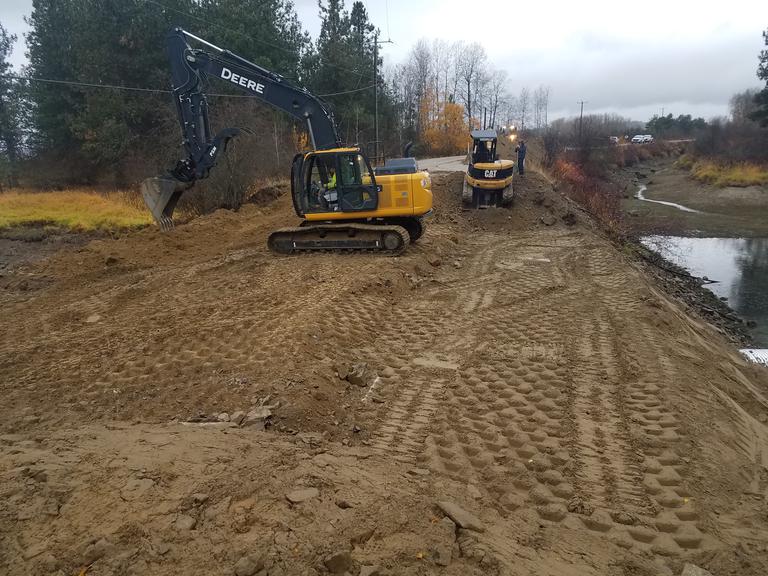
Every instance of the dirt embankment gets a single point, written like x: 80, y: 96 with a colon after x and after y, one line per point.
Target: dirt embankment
x: 523, y: 399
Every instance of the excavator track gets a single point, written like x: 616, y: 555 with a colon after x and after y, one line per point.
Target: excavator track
x: 340, y: 238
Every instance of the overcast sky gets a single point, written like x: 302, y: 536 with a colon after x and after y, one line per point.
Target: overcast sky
x: 630, y: 57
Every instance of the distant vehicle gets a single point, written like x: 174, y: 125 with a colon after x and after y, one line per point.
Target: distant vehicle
x: 638, y: 139
x: 647, y: 138
x: 614, y: 139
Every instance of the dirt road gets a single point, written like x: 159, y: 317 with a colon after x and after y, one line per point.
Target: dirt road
x: 445, y: 164
x: 529, y: 375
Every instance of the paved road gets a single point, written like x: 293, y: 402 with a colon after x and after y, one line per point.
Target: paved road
x: 446, y: 164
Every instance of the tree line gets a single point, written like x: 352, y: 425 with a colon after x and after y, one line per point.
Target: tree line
x: 118, y: 125
x: 54, y: 133
x: 443, y: 89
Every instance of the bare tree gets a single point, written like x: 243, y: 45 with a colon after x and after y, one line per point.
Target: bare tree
x: 472, y: 62
x: 524, y: 106
x: 540, y: 105
x: 497, y: 93
x: 742, y: 105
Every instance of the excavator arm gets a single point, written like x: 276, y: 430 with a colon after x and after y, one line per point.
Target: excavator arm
x: 189, y: 67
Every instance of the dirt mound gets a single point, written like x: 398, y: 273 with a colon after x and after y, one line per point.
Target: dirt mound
x: 536, y: 204
x: 189, y: 402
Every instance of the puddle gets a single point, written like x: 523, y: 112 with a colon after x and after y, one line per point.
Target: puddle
x: 641, y: 196
x: 740, y: 266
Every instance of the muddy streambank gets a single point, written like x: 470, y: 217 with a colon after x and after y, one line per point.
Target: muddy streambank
x: 694, y: 295
x: 663, y: 203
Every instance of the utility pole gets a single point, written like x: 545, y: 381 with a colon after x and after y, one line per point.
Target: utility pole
x: 581, y: 118
x: 376, y: 97
x: 376, y: 93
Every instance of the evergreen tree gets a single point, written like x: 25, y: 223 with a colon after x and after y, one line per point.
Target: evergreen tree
x: 11, y: 102
x: 761, y: 99
x: 122, y: 43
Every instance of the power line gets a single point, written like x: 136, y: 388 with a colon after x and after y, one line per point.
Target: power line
x: 86, y: 84
x: 154, y: 90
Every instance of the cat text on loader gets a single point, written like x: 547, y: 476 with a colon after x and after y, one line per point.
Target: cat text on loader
x: 488, y: 181
x: 343, y: 204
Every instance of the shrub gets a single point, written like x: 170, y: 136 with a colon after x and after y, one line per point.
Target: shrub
x: 601, y: 199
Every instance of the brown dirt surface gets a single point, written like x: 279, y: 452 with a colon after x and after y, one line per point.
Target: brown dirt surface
x: 517, y: 365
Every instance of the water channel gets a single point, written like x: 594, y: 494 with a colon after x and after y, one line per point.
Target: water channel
x: 740, y: 266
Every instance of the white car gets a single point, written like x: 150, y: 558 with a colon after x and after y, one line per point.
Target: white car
x: 647, y: 138
x: 638, y: 139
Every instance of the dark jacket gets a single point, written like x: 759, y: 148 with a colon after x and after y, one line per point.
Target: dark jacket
x: 521, y: 150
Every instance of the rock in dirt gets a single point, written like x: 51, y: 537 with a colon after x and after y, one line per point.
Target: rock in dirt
x: 223, y: 417
x: 370, y: 570
x: 362, y: 537
x: 443, y: 551
x: 184, y: 523
x: 548, y: 219
x: 237, y: 417
x: 93, y: 318
x: 693, y: 570
x: 461, y: 516
x: 258, y: 418
x: 248, y: 565
x: 338, y: 563
x: 299, y: 496
x: 97, y: 550
x: 360, y: 375
x: 578, y: 506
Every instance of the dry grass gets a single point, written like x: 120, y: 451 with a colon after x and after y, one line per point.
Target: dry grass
x: 741, y: 174
x: 75, y: 209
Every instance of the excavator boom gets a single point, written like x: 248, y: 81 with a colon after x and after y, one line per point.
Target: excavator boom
x: 189, y: 67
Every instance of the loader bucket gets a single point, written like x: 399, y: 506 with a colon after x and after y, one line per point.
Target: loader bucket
x: 161, y: 194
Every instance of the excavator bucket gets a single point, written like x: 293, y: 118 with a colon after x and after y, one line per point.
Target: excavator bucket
x: 161, y: 194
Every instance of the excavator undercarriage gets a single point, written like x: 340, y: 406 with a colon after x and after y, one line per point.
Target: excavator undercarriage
x: 340, y: 237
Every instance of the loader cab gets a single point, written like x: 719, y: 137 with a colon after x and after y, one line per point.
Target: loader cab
x: 483, y: 146
x: 338, y: 180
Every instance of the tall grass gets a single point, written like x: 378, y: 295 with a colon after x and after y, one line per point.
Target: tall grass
x: 74, y: 209
x: 738, y: 174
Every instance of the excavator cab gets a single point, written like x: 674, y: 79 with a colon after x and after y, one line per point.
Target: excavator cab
x: 332, y: 181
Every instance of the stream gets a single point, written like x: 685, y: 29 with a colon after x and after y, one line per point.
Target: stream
x: 641, y: 196
x: 740, y: 266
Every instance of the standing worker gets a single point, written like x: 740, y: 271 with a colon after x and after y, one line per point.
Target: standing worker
x: 521, y: 150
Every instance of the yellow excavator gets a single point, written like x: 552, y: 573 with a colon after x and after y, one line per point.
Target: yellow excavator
x: 488, y: 180
x: 343, y: 203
